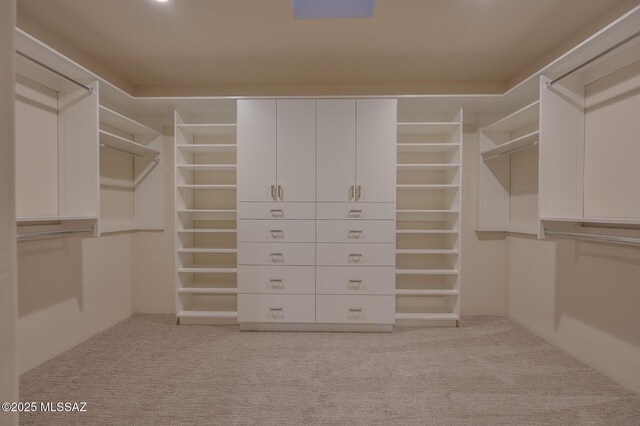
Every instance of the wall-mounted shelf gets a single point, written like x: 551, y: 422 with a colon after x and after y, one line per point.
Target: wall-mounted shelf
x: 208, y: 129
x: 123, y: 123
x: 426, y: 167
x: 207, y: 186
x: 515, y: 120
x: 427, y: 147
x: 598, y: 220
x: 207, y: 290
x: 208, y: 167
x: 426, y: 292
x: 198, y: 148
x: 428, y: 186
x: 427, y: 128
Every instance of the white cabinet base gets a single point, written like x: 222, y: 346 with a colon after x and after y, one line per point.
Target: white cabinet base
x: 334, y: 328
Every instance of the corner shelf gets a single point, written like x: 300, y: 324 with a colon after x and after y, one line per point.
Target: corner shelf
x: 517, y: 119
x: 118, y: 121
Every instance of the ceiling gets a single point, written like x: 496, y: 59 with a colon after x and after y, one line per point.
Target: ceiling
x: 217, y: 43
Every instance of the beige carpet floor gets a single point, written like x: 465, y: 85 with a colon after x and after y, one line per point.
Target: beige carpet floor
x: 147, y: 370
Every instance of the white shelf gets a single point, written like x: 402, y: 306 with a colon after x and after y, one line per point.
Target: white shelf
x: 427, y: 186
x: 215, y: 269
x: 523, y: 228
x: 427, y: 147
x: 54, y: 218
x: 427, y: 128
x: 208, y: 314
x: 421, y: 292
x: 208, y: 167
x: 600, y: 220
x: 425, y: 251
x: 527, y: 141
x: 516, y: 120
x: 118, y: 121
x: 219, y: 214
x: 426, y: 316
x: 208, y: 290
x: 426, y: 167
x: 207, y: 250
x: 208, y: 129
x: 221, y: 186
x: 426, y: 272
x: 416, y: 215
x: 426, y: 231
x: 207, y: 231
x: 121, y: 144
x: 209, y: 148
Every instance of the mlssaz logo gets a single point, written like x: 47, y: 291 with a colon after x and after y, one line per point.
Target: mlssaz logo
x: 67, y: 407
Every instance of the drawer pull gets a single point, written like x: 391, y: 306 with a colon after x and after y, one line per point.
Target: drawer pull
x: 355, y: 310
x: 277, y: 283
x: 354, y: 258
x: 276, y: 311
x: 277, y: 213
x: 354, y: 284
x: 277, y: 234
x: 355, y: 234
x: 277, y: 257
x: 354, y: 213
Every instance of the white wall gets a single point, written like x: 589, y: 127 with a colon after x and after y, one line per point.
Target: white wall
x: 8, y: 300
x: 70, y: 289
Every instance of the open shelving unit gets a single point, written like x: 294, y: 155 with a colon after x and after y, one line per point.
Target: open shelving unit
x: 509, y: 172
x: 131, y: 186
x: 205, y: 191
x: 429, y: 176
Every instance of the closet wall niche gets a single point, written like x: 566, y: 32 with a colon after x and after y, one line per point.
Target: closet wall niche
x: 57, y: 163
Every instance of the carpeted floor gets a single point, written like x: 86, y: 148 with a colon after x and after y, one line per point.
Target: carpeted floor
x: 146, y: 370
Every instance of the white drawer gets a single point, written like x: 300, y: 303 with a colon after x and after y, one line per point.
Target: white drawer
x: 347, y: 280
x: 284, y: 231
x: 352, y: 231
x: 336, y: 254
x: 379, y: 211
x: 355, y: 309
x: 276, y: 254
x: 276, y: 308
x: 247, y: 210
x: 277, y: 279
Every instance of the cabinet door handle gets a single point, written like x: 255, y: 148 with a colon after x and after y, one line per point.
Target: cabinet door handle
x: 281, y: 192
x: 354, y: 235
x: 277, y: 257
x: 277, y: 283
x: 351, y: 192
x: 358, y: 192
x: 277, y: 213
x: 354, y: 284
x: 354, y: 258
x: 354, y: 213
x: 277, y: 234
x: 273, y: 193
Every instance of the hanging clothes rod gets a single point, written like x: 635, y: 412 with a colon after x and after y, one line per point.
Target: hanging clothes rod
x: 40, y: 234
x: 595, y: 58
x: 597, y: 237
x: 522, y: 148
x: 129, y: 152
x: 47, y: 67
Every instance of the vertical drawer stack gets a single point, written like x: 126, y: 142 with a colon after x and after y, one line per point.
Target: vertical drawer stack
x: 355, y: 256
x: 276, y: 262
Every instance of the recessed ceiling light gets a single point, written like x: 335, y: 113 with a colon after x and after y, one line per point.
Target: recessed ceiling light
x: 162, y: 1
x: 333, y: 9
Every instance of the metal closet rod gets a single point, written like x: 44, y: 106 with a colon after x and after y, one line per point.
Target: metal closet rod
x: 595, y: 58
x: 53, y: 233
x: 129, y: 152
x: 522, y: 148
x: 47, y: 67
x: 597, y: 237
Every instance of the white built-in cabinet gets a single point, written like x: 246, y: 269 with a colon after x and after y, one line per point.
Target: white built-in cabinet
x: 316, y: 213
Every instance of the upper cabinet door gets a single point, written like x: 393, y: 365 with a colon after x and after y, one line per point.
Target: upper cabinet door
x: 256, y: 150
x: 376, y: 150
x: 336, y: 150
x: 296, y: 150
